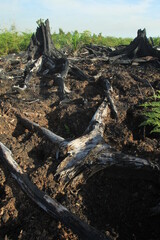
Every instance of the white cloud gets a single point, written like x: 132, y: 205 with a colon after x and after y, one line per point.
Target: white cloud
x: 109, y: 17
x: 101, y: 7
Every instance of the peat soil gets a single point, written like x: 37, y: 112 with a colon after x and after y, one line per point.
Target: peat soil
x: 118, y: 207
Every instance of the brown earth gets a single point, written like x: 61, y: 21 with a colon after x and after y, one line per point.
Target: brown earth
x: 119, y: 208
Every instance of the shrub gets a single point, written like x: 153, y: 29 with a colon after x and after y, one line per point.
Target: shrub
x: 151, y: 111
x: 13, y: 42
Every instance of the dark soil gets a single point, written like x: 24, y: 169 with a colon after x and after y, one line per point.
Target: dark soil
x: 119, y: 208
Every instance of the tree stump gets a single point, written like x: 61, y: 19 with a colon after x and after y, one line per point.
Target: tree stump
x: 140, y: 48
x: 45, y: 59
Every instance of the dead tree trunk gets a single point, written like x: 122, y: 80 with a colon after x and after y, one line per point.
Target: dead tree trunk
x: 138, y: 48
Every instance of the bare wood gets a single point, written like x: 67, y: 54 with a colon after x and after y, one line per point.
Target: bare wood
x: 110, y: 99
x: 48, y: 204
x: 115, y: 164
x: 118, y: 165
x: 120, y: 61
x: 76, y: 149
x: 89, y: 153
x: 37, y: 65
x: 63, y: 90
x: 102, y: 59
x: 98, y: 120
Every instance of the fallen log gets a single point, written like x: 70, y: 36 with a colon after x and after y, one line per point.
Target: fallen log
x: 48, y: 204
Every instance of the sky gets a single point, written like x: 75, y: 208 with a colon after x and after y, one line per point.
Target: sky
x: 118, y: 18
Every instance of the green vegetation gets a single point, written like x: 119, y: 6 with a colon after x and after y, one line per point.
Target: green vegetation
x: 13, y: 41
x: 40, y: 22
x: 75, y: 40
x: 67, y: 129
x: 151, y: 110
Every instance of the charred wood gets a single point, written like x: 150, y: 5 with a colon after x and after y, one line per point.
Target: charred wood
x: 45, y: 59
x: 97, y: 50
x: 41, y: 43
x: 138, y: 48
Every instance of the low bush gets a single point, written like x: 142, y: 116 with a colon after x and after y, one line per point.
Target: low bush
x: 151, y: 111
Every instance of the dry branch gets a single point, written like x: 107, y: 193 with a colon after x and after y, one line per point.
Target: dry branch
x: 34, y: 127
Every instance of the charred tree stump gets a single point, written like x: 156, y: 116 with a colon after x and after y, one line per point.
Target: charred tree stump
x: 45, y: 59
x: 140, y: 47
x: 41, y: 43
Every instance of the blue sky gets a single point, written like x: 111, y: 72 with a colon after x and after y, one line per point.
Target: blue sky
x: 120, y: 18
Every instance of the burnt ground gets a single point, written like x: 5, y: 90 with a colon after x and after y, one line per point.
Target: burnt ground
x: 118, y: 207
